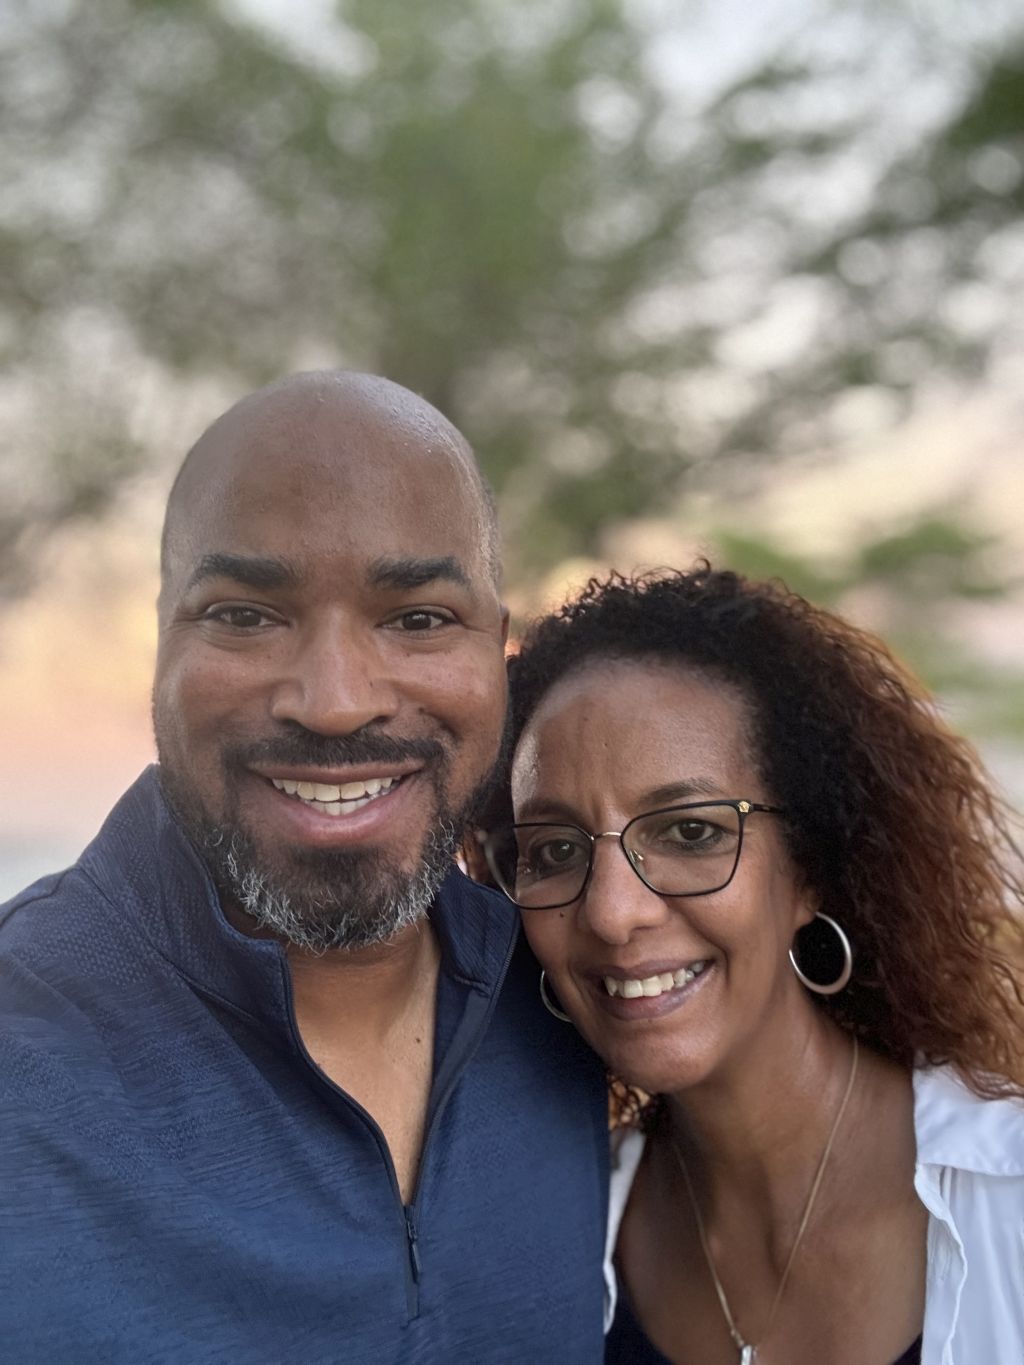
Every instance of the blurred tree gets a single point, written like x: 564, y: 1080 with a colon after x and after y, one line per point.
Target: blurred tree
x: 933, y: 559
x: 906, y: 585
x: 506, y: 205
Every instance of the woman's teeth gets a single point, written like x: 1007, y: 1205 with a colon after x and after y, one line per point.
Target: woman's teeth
x: 631, y: 988
x: 331, y: 800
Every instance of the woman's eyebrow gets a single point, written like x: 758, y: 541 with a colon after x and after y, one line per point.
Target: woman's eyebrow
x: 546, y: 811
x: 687, y: 789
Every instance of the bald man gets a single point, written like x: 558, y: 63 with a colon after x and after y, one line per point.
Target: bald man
x: 275, y: 1080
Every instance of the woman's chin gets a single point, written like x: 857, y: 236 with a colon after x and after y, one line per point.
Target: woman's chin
x: 655, y: 1075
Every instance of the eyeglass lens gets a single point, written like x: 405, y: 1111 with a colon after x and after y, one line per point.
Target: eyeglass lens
x: 682, y: 852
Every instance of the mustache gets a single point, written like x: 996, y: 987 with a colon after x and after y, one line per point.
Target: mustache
x: 306, y: 749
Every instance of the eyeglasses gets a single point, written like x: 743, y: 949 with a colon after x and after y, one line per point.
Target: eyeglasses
x: 688, y: 850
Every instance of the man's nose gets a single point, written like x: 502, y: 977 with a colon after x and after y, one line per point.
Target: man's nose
x: 616, y: 902
x: 336, y: 681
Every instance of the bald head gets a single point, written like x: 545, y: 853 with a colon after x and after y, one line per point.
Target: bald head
x: 332, y: 420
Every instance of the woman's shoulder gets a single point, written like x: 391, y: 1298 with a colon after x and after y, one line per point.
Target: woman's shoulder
x: 970, y: 1177
x: 957, y: 1128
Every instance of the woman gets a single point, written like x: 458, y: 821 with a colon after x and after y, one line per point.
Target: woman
x: 775, y: 893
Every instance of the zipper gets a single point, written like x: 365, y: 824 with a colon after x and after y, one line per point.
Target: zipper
x: 449, y: 1075
x: 412, y: 1237
x: 414, y: 1264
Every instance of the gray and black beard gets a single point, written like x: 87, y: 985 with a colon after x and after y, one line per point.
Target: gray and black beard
x: 325, y: 898
x: 362, y: 911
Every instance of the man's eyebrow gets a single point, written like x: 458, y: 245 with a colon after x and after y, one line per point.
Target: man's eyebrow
x: 253, y: 570
x: 416, y: 573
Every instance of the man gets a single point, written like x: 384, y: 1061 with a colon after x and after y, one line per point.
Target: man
x: 275, y: 1081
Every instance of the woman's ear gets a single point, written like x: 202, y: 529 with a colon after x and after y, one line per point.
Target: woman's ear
x: 806, y: 902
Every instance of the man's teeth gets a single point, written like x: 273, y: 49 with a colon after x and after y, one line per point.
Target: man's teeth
x: 332, y: 800
x: 631, y: 988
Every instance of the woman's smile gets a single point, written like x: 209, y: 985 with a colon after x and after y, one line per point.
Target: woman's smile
x: 651, y: 996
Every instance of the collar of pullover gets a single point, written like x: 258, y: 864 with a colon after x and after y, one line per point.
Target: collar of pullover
x: 158, y: 886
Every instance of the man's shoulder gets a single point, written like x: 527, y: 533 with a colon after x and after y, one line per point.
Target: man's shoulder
x: 69, y: 948
x: 42, y: 930
x: 48, y: 937
x: 52, y: 1053
x: 68, y: 919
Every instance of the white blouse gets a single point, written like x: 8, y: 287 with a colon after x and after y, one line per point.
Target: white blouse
x: 970, y: 1178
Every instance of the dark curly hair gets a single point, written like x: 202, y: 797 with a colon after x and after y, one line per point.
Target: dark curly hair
x: 890, y: 815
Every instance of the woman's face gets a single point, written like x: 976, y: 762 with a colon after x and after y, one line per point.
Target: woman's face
x: 613, y: 740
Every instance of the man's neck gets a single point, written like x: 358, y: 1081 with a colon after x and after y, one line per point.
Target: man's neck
x: 369, y: 991
x: 367, y: 1021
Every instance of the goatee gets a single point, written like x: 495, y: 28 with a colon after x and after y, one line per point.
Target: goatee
x: 322, y: 899
x: 369, y: 906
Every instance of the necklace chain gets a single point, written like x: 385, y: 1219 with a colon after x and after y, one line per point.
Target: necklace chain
x: 747, y: 1349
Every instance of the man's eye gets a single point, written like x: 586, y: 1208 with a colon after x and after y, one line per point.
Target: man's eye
x: 421, y: 620
x: 237, y: 618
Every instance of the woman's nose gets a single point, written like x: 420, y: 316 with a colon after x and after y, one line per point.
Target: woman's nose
x: 616, y: 903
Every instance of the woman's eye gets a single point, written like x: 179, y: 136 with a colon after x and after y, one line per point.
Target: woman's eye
x: 690, y: 833
x: 693, y: 831
x: 554, y: 856
x: 556, y: 853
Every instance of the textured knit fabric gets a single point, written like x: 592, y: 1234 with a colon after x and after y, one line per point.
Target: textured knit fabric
x: 179, y: 1183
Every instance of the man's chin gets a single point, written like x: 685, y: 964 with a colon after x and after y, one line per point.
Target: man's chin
x: 318, y: 898
x: 321, y: 900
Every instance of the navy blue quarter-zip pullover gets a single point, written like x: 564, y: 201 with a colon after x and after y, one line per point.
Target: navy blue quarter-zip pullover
x: 181, y: 1185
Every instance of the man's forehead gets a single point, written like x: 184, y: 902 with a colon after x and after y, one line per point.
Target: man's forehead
x: 340, y: 437
x: 323, y: 460
x: 308, y: 511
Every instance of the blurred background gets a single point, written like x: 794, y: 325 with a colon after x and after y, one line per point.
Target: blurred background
x: 693, y: 277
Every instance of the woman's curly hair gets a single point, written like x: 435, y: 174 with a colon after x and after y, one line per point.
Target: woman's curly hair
x: 890, y: 816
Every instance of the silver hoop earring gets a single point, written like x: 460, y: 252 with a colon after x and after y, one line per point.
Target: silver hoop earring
x: 548, y: 1005
x: 828, y: 987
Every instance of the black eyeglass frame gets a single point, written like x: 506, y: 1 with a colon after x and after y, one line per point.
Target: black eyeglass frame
x: 740, y: 805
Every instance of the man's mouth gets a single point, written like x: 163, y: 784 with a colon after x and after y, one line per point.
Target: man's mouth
x: 328, y: 799
x: 632, y: 988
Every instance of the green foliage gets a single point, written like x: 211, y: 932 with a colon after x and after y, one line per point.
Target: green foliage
x: 934, y: 558
x: 495, y: 203
x: 760, y: 558
x: 994, y: 114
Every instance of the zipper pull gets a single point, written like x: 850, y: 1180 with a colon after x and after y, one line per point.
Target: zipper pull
x: 414, y: 1254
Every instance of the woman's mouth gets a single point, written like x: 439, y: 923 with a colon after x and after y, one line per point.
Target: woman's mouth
x: 633, y: 987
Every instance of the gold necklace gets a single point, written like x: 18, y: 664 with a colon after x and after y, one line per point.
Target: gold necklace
x: 748, y: 1349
